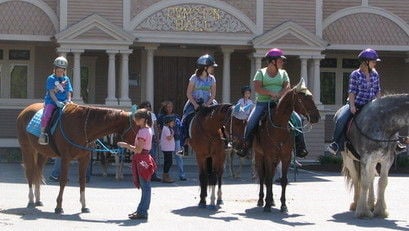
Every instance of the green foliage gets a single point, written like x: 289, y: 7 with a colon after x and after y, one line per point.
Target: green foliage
x: 402, y: 161
x: 10, y: 155
x: 330, y: 159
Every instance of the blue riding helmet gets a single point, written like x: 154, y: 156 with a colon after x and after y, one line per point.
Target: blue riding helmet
x: 368, y: 55
x: 206, y: 60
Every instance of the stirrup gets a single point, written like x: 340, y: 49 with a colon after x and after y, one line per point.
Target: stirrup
x: 43, y: 139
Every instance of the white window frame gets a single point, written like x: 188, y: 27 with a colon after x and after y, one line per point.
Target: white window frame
x: 6, y: 67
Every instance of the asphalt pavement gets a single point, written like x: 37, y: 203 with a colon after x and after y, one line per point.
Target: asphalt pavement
x: 316, y: 201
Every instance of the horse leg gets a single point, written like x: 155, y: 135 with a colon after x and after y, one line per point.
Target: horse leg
x: 41, y: 160
x: 63, y: 181
x: 104, y: 163
x: 284, y: 182
x: 83, y: 164
x: 203, y: 187
x: 268, y: 181
x: 33, y: 175
x: 118, y: 167
x: 260, y: 201
x: 380, y: 206
x: 367, y: 177
x: 219, y: 191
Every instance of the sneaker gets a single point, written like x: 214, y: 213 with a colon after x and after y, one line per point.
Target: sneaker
x: 400, y: 147
x: 53, y: 178
x: 43, y: 139
x: 133, y: 216
x: 156, y: 178
x: 182, y: 178
x: 333, y: 148
x: 301, y: 153
x: 180, y: 153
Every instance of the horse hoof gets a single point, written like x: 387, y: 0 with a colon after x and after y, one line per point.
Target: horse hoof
x: 267, y: 209
x: 31, y: 205
x: 58, y: 211
x: 220, y: 202
x: 284, y: 209
x: 260, y: 203
x: 39, y: 203
x: 202, y: 205
x: 85, y: 210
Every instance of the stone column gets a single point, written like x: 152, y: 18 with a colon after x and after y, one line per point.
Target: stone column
x: 77, y: 76
x: 317, y: 82
x: 304, y: 69
x: 125, y: 100
x: 226, y: 74
x: 111, y: 100
x: 150, y: 49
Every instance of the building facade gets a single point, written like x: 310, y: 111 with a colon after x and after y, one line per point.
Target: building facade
x: 122, y: 52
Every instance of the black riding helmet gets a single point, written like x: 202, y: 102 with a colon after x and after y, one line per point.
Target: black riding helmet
x: 244, y: 89
x: 205, y: 61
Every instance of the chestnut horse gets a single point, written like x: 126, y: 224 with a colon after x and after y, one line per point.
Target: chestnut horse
x: 273, y: 141
x: 207, y: 142
x: 78, y: 128
x: 374, y: 135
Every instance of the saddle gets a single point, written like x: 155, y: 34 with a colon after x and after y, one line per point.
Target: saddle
x: 34, y: 126
x: 348, y: 142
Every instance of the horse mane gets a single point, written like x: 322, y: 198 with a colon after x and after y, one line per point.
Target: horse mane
x: 387, y: 113
x: 223, y: 108
x: 95, y: 113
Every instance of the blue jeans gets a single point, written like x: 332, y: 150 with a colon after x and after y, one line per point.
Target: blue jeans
x: 155, y: 156
x: 254, y: 119
x: 145, y: 197
x: 179, y: 160
x: 341, y: 120
x: 56, y: 172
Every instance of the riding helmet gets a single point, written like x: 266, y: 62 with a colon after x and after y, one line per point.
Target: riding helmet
x: 206, y: 60
x: 61, y: 62
x: 368, y: 55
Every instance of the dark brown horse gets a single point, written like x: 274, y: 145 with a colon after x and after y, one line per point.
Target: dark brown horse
x: 207, y: 142
x: 79, y: 127
x: 273, y: 141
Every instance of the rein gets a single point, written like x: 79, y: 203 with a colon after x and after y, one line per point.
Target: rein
x: 291, y: 126
x: 87, y: 148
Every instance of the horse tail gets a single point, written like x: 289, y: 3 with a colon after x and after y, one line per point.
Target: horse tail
x: 350, y: 170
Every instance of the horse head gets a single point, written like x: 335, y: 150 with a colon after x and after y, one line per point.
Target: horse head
x: 304, y: 102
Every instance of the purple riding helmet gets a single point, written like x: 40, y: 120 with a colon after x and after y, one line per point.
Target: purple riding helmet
x: 368, y: 55
x: 275, y: 53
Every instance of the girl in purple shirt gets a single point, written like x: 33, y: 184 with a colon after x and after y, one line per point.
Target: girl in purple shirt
x: 364, y: 87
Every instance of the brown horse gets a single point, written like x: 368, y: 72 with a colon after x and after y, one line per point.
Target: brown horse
x: 79, y: 127
x: 207, y: 142
x: 273, y: 141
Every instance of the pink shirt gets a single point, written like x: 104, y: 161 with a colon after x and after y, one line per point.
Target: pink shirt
x: 165, y: 144
x: 146, y: 135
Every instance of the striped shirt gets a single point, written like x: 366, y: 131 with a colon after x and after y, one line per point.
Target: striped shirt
x: 364, y: 91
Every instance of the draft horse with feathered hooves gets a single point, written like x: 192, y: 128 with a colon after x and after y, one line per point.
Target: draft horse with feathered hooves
x: 78, y: 127
x: 207, y: 142
x: 373, y: 137
x: 273, y: 141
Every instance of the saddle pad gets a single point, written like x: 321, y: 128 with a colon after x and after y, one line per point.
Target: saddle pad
x: 34, y: 126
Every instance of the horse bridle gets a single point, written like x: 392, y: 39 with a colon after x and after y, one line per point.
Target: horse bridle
x: 295, y: 99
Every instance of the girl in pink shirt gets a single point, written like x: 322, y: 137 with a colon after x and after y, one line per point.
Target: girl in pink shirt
x: 143, y: 164
x: 167, y: 145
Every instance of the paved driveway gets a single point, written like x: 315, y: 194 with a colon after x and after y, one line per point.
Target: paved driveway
x: 317, y: 201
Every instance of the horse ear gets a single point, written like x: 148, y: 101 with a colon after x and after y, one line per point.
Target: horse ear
x: 301, y: 87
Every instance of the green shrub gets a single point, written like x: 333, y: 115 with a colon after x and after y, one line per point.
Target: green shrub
x: 10, y: 155
x: 402, y: 161
x: 330, y: 159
